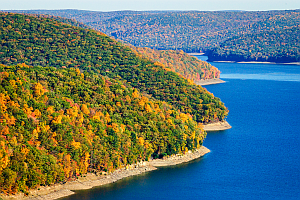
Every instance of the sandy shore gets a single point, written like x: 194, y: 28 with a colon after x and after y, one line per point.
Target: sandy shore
x: 91, y: 180
x: 196, y: 54
x: 218, y: 126
x: 209, y: 81
x: 292, y: 63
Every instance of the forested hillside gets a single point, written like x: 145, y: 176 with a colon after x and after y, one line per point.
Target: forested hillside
x: 46, y: 42
x: 57, y: 123
x: 279, y: 46
x: 178, y: 61
x: 182, y: 63
x: 66, y: 115
x: 190, y: 31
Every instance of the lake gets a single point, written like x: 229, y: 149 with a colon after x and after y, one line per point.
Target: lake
x: 257, y: 159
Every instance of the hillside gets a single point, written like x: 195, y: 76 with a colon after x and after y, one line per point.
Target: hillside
x: 281, y: 46
x: 66, y: 115
x: 47, y: 42
x: 177, y: 61
x: 182, y: 63
x: 57, y: 124
x: 190, y: 31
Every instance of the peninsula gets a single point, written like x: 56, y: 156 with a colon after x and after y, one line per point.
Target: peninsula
x: 75, y: 101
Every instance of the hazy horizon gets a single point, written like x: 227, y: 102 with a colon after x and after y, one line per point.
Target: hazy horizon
x: 151, y: 5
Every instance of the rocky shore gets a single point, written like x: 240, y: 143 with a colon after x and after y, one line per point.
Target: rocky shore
x: 209, y: 81
x: 91, y: 180
x: 178, y: 159
x: 218, y: 126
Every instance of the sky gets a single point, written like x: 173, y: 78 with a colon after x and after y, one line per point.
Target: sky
x: 113, y: 5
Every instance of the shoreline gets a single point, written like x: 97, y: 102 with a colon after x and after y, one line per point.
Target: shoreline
x: 209, y: 81
x: 256, y: 62
x: 218, y: 126
x: 196, y: 54
x: 91, y: 180
x: 179, y: 159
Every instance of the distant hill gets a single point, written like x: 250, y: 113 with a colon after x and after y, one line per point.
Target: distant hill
x: 190, y: 31
x: 280, y: 46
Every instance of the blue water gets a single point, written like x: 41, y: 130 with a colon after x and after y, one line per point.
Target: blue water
x: 257, y: 159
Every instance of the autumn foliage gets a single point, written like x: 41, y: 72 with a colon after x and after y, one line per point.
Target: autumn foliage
x: 280, y: 46
x: 190, y: 31
x: 56, y: 125
x: 73, y: 100
x: 47, y: 42
x: 180, y: 62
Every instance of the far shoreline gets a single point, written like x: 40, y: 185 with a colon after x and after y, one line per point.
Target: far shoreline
x: 255, y: 62
x: 91, y: 180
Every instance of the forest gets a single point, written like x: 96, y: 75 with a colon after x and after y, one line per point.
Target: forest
x: 59, y: 123
x: 73, y: 100
x: 47, y: 42
x: 180, y: 62
x: 280, y: 46
x: 190, y: 31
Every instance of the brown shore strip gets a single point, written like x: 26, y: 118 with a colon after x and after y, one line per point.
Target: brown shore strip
x: 218, y: 126
x: 91, y: 180
x: 209, y: 81
x: 178, y: 159
x: 196, y: 54
x: 258, y: 62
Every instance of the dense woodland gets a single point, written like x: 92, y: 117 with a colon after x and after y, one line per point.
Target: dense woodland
x: 47, y: 42
x: 178, y: 61
x: 57, y: 124
x: 182, y: 63
x: 190, y: 31
x: 280, y: 46
x: 73, y: 100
